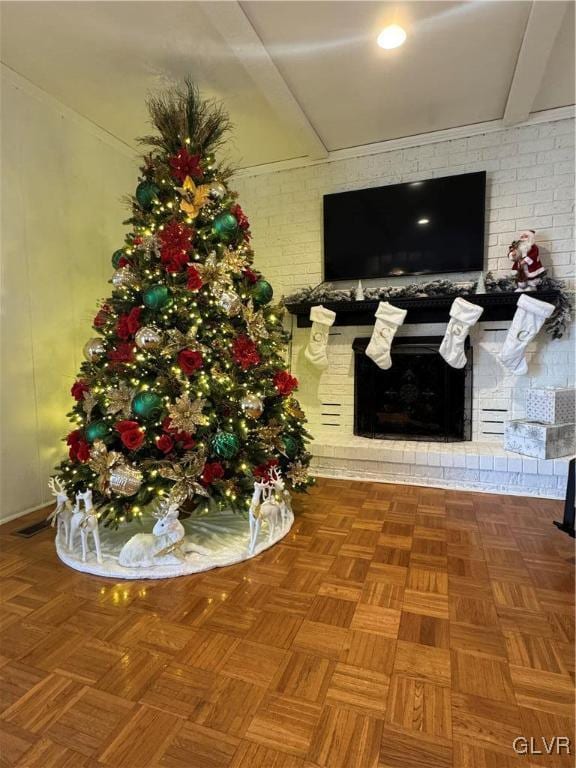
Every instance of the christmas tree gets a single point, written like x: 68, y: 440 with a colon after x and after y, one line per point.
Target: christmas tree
x: 184, y: 393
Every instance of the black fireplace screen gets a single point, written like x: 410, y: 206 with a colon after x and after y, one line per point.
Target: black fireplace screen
x: 420, y: 397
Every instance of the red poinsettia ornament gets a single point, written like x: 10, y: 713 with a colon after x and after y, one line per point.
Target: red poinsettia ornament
x: 127, y: 325
x: 285, y: 383
x: 175, y: 239
x: 184, y: 164
x: 244, y: 352
x: 212, y: 471
x: 122, y: 353
x: 242, y: 220
x: 78, y: 389
x: 102, y: 317
x: 194, y: 280
x: 251, y: 276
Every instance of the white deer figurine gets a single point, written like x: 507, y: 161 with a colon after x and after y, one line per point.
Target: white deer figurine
x: 282, y: 495
x: 161, y: 547
x: 262, y: 507
x: 62, y: 513
x: 85, y: 520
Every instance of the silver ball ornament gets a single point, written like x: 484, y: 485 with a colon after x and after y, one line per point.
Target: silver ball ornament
x: 217, y: 190
x: 230, y: 303
x: 124, y: 277
x: 125, y: 480
x: 148, y: 338
x: 94, y: 349
x: 252, y: 406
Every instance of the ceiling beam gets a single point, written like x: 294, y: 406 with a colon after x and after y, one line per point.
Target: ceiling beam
x: 544, y: 23
x: 235, y: 27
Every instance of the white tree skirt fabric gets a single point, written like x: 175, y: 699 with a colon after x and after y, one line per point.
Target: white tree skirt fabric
x: 221, y: 537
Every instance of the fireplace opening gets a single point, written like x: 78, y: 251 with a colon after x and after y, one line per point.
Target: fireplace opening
x: 420, y: 397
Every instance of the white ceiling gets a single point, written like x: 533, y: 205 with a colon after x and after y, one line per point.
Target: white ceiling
x: 299, y: 78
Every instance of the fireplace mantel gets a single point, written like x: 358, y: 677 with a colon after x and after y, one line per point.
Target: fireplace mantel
x: 422, y: 309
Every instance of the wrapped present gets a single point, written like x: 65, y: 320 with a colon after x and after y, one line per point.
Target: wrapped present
x: 542, y: 441
x: 551, y: 406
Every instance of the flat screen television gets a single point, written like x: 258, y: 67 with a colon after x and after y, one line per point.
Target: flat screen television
x: 417, y: 228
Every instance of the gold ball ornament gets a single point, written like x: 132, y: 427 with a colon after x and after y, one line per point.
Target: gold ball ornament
x: 125, y: 480
x: 230, y: 303
x: 252, y: 406
x: 148, y: 338
x: 124, y: 277
x: 217, y: 190
x: 94, y: 350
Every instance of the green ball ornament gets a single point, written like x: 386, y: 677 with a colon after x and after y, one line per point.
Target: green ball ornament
x: 116, y: 256
x: 225, y: 226
x: 156, y: 296
x: 262, y: 292
x: 290, y: 446
x: 146, y: 193
x: 225, y: 445
x: 97, y: 430
x: 147, y: 405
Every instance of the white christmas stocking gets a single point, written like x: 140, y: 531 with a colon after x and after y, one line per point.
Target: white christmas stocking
x: 528, y: 319
x: 322, y: 320
x: 463, y: 315
x: 388, y: 320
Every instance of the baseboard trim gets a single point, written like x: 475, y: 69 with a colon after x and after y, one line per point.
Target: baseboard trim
x: 16, y: 515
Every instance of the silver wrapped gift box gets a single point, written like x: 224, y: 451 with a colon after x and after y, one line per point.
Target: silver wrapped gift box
x: 551, y: 406
x: 542, y: 441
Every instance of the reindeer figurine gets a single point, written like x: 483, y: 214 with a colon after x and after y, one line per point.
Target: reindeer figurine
x: 161, y: 547
x: 282, y: 494
x: 262, y: 507
x: 85, y: 520
x: 62, y: 513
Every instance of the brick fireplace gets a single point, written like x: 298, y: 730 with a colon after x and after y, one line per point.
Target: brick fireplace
x: 479, y: 463
x: 530, y: 183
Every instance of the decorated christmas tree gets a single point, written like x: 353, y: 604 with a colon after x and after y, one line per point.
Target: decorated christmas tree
x: 184, y: 394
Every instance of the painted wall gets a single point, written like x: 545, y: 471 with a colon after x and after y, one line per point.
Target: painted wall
x: 530, y: 183
x: 62, y: 183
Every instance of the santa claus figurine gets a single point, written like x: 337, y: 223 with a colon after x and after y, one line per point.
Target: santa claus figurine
x: 524, y: 255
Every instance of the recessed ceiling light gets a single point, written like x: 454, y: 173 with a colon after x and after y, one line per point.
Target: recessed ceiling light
x: 391, y: 37
x: 423, y: 221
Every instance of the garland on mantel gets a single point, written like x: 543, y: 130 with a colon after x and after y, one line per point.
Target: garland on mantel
x: 558, y: 321
x: 325, y: 292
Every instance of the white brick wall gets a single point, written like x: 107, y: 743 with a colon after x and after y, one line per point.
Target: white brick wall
x: 530, y: 183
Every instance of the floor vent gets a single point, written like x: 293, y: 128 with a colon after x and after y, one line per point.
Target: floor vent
x: 32, y: 530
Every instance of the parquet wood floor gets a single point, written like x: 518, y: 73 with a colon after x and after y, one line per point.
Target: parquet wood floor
x: 394, y: 627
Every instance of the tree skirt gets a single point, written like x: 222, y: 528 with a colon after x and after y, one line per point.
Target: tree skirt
x: 222, y: 537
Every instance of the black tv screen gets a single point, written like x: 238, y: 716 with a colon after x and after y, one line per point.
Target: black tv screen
x: 416, y: 228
